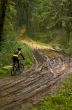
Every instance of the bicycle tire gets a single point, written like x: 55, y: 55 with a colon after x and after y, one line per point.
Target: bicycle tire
x: 21, y: 68
x: 13, y: 71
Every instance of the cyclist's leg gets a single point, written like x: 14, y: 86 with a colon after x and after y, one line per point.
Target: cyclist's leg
x: 18, y: 63
x: 14, y: 62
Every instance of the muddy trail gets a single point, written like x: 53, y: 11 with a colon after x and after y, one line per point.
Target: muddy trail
x: 43, y: 78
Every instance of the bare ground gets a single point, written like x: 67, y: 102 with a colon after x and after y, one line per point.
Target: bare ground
x: 24, y: 90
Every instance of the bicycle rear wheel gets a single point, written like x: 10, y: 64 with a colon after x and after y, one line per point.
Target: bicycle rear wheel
x: 13, y: 71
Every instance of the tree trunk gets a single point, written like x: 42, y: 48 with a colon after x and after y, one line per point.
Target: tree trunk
x: 3, y: 4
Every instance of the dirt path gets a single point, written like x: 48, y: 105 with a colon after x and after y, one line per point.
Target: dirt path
x: 31, y: 43
x: 21, y: 91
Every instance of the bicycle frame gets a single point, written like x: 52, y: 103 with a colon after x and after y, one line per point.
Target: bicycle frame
x: 17, y: 69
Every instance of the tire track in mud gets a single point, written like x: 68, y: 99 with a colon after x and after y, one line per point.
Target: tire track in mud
x: 20, y: 91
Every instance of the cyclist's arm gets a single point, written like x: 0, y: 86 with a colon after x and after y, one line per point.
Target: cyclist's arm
x: 22, y: 56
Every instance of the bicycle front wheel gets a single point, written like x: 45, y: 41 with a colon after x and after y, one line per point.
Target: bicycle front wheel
x: 21, y: 66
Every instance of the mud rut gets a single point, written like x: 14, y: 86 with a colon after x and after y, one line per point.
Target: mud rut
x: 21, y: 91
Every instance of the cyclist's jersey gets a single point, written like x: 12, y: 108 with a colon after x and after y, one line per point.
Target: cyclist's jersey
x: 16, y: 54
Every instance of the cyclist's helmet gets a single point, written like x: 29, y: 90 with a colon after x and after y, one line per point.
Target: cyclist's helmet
x: 19, y: 49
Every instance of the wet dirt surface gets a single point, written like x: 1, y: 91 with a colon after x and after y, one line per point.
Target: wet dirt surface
x: 44, y: 77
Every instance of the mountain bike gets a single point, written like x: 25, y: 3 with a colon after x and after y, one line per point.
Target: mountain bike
x: 17, y: 70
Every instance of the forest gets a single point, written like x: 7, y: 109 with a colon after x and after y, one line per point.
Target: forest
x: 51, y: 19
x: 43, y: 30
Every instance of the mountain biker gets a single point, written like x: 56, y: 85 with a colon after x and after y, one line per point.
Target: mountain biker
x: 16, y: 56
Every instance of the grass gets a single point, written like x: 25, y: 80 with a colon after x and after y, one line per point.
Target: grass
x: 4, y: 71
x: 7, y: 52
x: 51, y: 36
x: 39, y: 37
x: 61, y: 100
x: 56, y: 38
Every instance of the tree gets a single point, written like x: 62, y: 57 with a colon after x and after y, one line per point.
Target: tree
x: 23, y: 12
x: 51, y: 14
x: 3, y: 4
x: 67, y: 18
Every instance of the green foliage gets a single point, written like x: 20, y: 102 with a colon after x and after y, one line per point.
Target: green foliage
x: 23, y: 12
x: 11, y: 42
x: 62, y: 100
x: 4, y: 71
x: 40, y: 37
x: 6, y: 53
x: 56, y: 46
x: 6, y: 56
x: 40, y: 16
x: 52, y: 14
x: 9, y: 23
x: 49, y: 14
x: 43, y: 16
x: 9, y: 20
x: 68, y: 49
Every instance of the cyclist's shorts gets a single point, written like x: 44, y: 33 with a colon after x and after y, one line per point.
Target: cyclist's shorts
x: 15, y: 59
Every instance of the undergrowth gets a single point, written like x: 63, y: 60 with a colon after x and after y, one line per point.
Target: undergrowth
x: 8, y: 50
